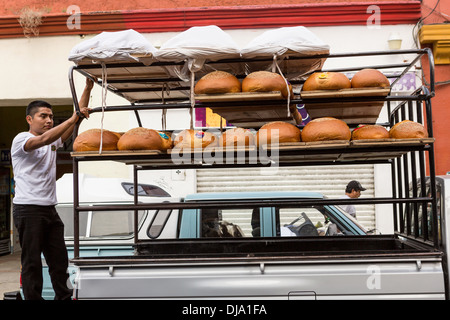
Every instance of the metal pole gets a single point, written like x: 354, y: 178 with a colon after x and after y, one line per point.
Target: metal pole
x: 76, y: 212
x: 431, y: 164
x: 74, y: 92
x: 135, y: 197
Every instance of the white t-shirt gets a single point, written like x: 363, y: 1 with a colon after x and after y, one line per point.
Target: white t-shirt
x: 34, y: 172
x: 349, y: 208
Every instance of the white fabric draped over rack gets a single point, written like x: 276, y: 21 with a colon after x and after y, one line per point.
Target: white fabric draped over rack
x: 119, y: 46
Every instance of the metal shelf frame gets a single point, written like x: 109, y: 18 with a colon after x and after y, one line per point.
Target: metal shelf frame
x: 411, y: 218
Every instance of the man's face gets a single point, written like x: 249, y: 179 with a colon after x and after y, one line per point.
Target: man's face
x: 41, y: 122
x: 355, y: 194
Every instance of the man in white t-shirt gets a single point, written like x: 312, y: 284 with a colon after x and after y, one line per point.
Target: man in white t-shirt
x: 33, y: 156
x: 352, y: 191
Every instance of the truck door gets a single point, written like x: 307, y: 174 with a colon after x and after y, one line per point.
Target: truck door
x: 190, y: 224
x: 268, y: 222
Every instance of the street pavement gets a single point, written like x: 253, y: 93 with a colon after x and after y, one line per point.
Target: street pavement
x: 9, y: 273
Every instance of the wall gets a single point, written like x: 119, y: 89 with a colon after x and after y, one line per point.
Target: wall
x: 14, y: 7
x: 433, y: 13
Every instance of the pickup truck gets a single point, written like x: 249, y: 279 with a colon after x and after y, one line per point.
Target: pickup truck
x: 106, y: 234
x: 276, y: 245
x: 196, y: 224
x: 297, y: 248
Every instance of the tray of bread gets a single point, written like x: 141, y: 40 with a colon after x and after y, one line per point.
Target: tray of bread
x: 368, y: 86
x: 217, y: 88
x: 330, y: 139
x: 320, y: 140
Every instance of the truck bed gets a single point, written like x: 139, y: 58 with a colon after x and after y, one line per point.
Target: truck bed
x: 371, y: 267
x: 267, y: 248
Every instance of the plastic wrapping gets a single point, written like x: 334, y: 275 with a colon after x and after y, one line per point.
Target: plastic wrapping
x: 196, y: 46
x: 120, y: 46
x: 283, y: 44
x: 279, y: 41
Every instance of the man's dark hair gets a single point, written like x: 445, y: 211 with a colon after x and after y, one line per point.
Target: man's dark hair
x: 35, y: 105
x: 354, y: 185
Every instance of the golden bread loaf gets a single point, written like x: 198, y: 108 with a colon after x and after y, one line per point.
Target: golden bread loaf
x: 140, y: 139
x: 277, y: 132
x: 371, y: 131
x: 408, y: 129
x: 236, y: 137
x: 369, y: 78
x: 217, y: 82
x: 193, y: 139
x: 326, y: 128
x: 326, y: 81
x: 265, y: 81
x: 89, y: 140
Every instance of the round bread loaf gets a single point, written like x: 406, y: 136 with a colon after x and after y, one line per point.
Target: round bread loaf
x: 326, y: 81
x: 237, y: 137
x: 369, y: 78
x: 371, y: 131
x: 189, y: 138
x: 89, y: 140
x: 140, y: 139
x: 277, y: 132
x: 265, y: 81
x: 217, y: 82
x: 166, y: 138
x: 326, y: 128
x: 408, y: 129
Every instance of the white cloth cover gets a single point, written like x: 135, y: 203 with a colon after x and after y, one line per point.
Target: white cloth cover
x: 279, y: 41
x: 209, y: 42
x: 127, y: 45
x: 196, y: 45
x: 282, y: 43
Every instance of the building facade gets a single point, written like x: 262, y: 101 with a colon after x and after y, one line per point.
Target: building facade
x: 38, y: 36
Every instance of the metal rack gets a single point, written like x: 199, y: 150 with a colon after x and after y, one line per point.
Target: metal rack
x: 403, y: 156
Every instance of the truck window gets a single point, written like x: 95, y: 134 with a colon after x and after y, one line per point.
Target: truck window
x: 311, y: 221
x: 268, y: 222
x: 301, y: 222
x: 66, y: 215
x: 158, y: 222
x: 113, y: 223
x: 99, y: 224
x: 146, y: 190
x: 272, y: 222
x: 226, y: 223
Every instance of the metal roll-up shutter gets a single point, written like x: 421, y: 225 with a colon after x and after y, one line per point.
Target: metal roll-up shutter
x: 328, y: 180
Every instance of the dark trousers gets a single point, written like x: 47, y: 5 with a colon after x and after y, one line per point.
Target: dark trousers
x: 42, y: 231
